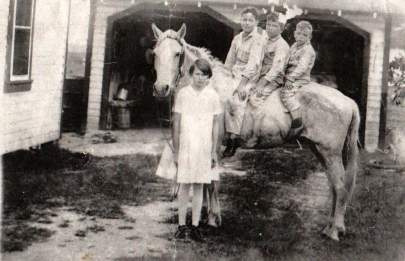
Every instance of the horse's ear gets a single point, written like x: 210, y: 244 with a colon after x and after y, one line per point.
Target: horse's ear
x: 182, y: 32
x: 156, y: 31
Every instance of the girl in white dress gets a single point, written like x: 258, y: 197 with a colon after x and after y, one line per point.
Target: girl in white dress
x: 195, y: 130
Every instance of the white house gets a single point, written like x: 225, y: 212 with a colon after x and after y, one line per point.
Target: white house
x: 33, y: 37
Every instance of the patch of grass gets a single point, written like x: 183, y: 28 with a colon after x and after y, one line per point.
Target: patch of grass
x: 37, y: 181
x: 78, y: 180
x: 125, y: 227
x: 19, y: 236
x: 100, y: 206
x: 284, y: 165
x: 96, y: 228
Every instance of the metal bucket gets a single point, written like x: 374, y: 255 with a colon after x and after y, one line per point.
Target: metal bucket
x: 122, y: 94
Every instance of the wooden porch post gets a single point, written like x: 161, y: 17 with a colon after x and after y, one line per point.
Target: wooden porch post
x: 384, y: 84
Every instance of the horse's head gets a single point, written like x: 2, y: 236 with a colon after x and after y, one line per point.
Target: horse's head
x: 169, y: 57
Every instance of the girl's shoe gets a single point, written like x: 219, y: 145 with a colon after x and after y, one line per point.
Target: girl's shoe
x: 196, y: 235
x: 182, y: 232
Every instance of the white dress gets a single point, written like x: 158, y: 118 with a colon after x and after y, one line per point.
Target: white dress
x: 197, y: 109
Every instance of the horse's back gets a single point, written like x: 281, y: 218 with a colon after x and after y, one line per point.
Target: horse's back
x: 312, y: 95
x: 327, y: 95
x: 327, y: 114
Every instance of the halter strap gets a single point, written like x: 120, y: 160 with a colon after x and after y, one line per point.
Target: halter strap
x: 169, y: 36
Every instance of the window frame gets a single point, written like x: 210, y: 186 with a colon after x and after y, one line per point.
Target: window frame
x: 18, y: 83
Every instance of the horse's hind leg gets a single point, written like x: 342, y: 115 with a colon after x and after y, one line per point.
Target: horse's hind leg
x: 336, y: 175
x: 314, y: 148
x: 331, y: 217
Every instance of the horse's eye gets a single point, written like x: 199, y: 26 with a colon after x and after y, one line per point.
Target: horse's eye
x: 177, y: 54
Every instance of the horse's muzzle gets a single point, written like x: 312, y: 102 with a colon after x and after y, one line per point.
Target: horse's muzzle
x: 161, y: 90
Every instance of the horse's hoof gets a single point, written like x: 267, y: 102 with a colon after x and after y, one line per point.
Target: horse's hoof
x: 213, y: 221
x: 341, y: 229
x: 331, y: 233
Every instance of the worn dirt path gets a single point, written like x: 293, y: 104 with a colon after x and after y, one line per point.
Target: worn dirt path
x: 145, y: 236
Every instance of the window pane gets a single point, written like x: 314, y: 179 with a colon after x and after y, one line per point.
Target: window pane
x: 23, y: 15
x: 21, y: 52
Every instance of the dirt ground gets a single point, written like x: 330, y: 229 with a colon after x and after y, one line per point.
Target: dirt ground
x: 62, y: 205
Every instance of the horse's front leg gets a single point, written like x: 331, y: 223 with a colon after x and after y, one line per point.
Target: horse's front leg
x: 221, y: 135
x: 211, y: 191
x: 214, y: 209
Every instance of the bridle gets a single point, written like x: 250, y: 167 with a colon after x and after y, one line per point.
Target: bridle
x: 182, y: 55
x: 179, y: 73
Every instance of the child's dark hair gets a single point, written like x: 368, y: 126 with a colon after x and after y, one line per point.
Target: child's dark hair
x: 251, y: 10
x: 203, y: 65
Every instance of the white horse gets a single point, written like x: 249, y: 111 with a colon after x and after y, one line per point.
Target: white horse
x: 331, y: 120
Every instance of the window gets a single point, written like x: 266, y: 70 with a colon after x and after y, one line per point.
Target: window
x: 20, y: 45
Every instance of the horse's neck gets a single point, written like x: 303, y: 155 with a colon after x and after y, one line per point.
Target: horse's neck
x: 222, y: 80
x: 191, y: 54
x: 185, y: 76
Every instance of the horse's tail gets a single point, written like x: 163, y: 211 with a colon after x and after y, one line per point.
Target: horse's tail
x: 351, y: 151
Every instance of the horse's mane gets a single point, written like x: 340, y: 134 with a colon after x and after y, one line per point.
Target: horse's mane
x: 192, y: 53
x: 200, y: 52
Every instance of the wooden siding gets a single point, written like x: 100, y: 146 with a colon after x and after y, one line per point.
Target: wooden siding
x: 33, y: 117
x: 3, y: 41
x: 376, y: 28
x: 4, y: 10
x: 97, y: 63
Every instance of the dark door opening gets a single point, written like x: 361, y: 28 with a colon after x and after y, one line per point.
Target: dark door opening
x: 132, y: 67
